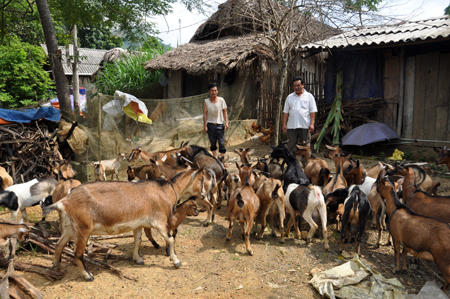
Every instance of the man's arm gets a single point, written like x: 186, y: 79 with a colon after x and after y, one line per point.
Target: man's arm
x: 225, y: 116
x: 311, y: 123
x: 285, y: 118
x: 205, y: 111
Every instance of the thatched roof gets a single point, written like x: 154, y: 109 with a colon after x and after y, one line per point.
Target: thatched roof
x: 225, y: 41
x: 220, y: 55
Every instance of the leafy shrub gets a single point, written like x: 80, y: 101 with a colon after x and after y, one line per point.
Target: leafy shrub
x: 23, y: 80
x: 129, y: 75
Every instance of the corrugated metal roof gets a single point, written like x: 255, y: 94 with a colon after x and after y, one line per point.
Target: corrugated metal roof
x: 87, y: 66
x: 403, y: 32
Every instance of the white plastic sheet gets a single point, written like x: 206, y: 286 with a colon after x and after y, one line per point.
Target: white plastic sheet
x: 354, y: 280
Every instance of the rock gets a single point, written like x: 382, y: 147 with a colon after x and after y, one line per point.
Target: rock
x: 240, y: 287
x: 197, y: 289
x: 346, y: 254
x: 314, y: 271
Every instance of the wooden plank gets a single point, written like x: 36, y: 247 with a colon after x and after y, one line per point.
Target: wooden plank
x: 401, y: 94
x: 419, y: 98
x: 391, y: 83
x: 430, y: 100
x: 442, y: 101
x: 408, y: 105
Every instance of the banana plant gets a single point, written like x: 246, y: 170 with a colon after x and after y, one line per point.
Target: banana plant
x: 335, y: 116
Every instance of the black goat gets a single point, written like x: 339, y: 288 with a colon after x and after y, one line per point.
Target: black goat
x: 294, y: 173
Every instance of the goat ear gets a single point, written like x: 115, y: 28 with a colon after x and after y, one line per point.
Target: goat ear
x: 435, y: 149
x: 329, y: 147
x: 237, y: 151
x: 173, y: 155
x: 23, y: 230
x: 251, y: 151
x: 163, y: 158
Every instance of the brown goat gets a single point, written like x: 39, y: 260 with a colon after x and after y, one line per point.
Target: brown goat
x: 5, y: 179
x: 146, y: 156
x: 410, y: 182
x: 99, y: 172
x: 316, y: 169
x: 187, y: 208
x: 245, y: 170
x: 200, y: 157
x: 98, y: 208
x: 244, y: 206
x: 65, y: 183
x: 272, y: 199
x: 443, y: 156
x: 338, y: 181
x: 244, y: 154
x: 144, y: 172
x: 424, y: 237
x: 377, y: 168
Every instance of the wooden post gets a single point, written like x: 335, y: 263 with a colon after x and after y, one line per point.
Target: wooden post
x: 99, y: 128
x: 75, y: 82
x: 401, y: 91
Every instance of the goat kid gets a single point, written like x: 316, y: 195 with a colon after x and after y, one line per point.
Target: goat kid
x: 424, y: 237
x: 99, y: 172
x: 113, y: 165
x: 145, y: 172
x: 21, y: 196
x: 187, y: 208
x: 306, y: 201
x: 97, y: 208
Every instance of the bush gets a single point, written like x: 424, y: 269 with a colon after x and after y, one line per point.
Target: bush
x: 128, y: 75
x: 23, y: 80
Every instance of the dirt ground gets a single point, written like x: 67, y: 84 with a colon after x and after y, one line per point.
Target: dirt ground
x: 212, y: 268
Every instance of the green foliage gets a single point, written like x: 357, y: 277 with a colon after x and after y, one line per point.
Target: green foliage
x: 100, y: 37
x: 21, y: 19
x: 358, y: 5
x: 22, y: 77
x: 447, y: 10
x: 335, y: 116
x: 130, y: 18
x: 128, y: 75
x: 382, y: 156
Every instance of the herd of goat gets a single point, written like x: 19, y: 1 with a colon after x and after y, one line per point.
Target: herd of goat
x: 417, y: 218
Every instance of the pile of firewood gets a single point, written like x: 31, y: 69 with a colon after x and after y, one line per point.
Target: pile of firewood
x: 355, y: 113
x: 46, y: 236
x: 28, y: 151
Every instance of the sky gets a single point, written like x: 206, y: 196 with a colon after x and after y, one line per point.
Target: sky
x: 170, y: 32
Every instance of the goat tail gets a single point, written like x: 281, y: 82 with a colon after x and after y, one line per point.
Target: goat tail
x: 48, y: 209
x: 239, y: 201
x: 356, y: 203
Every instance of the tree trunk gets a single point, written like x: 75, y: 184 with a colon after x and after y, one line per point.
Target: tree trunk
x: 54, y: 56
x: 281, y: 85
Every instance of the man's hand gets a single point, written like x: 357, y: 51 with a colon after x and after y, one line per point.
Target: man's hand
x: 284, y: 129
x: 226, y: 126
x: 205, y: 128
x: 311, y: 128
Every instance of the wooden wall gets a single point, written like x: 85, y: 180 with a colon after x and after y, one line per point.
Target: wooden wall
x: 391, y: 83
x: 427, y: 89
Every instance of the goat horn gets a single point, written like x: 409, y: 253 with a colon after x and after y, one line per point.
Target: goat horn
x: 187, y: 160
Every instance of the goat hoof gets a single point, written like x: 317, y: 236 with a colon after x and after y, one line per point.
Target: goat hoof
x: 177, y: 265
x: 327, y: 248
x: 250, y: 252
x: 140, y: 262
x: 282, y: 241
x: 227, y: 240
x: 206, y: 223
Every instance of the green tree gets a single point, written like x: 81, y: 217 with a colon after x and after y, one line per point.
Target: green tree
x: 23, y: 80
x: 100, y: 37
x: 447, y: 10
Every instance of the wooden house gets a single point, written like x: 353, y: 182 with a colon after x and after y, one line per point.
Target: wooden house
x: 406, y: 65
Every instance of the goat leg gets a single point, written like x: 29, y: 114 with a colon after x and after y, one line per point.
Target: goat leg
x: 405, y: 259
x: 148, y: 233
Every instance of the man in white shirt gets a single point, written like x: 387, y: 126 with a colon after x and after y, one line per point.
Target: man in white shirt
x: 299, y: 114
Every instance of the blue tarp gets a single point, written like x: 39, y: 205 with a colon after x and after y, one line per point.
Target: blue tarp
x: 27, y: 115
x: 362, y: 75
